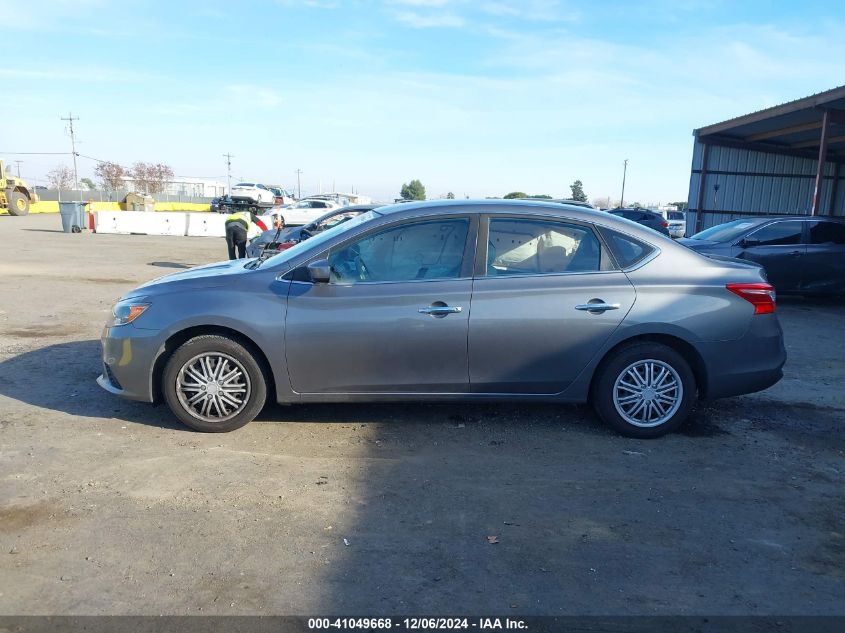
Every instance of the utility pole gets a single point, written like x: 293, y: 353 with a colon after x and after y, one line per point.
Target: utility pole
x: 624, y: 174
x: 70, y: 119
x: 18, y: 162
x: 229, y: 158
x: 298, y: 184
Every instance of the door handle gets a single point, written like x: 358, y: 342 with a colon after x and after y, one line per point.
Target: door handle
x: 440, y: 310
x: 597, y: 307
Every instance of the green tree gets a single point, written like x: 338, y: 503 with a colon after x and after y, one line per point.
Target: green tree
x: 681, y: 206
x: 413, y: 190
x: 577, y: 188
x: 450, y: 196
x: 542, y: 196
x: 515, y: 194
x: 88, y: 183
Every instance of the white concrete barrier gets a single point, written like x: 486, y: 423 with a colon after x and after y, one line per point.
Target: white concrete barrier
x: 206, y: 225
x: 162, y: 223
x: 121, y: 222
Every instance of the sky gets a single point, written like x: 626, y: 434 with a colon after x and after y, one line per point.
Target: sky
x: 478, y: 98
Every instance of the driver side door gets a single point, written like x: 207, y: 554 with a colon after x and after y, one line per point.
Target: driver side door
x: 394, y: 317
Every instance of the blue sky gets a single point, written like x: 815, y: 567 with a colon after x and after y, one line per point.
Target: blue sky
x: 478, y: 98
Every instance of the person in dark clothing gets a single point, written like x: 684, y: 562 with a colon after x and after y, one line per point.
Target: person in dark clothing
x: 238, y: 226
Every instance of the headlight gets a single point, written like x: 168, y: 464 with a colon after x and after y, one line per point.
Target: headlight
x: 127, y: 311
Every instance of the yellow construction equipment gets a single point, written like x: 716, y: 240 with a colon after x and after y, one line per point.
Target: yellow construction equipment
x: 15, y: 194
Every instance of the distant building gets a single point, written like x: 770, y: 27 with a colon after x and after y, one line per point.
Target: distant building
x: 188, y: 187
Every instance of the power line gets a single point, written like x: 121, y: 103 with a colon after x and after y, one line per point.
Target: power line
x: 70, y: 119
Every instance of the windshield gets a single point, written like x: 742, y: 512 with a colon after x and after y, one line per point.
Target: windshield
x: 676, y: 215
x: 317, y: 240
x: 245, y: 184
x: 724, y: 232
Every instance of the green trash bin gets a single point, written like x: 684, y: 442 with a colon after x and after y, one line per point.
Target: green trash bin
x: 73, y: 216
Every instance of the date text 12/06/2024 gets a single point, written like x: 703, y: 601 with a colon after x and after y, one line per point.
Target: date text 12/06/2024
x: 416, y: 624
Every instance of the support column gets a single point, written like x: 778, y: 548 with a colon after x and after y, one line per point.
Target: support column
x: 834, y: 188
x: 817, y: 194
x: 699, y: 210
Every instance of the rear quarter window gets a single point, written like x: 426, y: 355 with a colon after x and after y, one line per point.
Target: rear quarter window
x: 628, y: 251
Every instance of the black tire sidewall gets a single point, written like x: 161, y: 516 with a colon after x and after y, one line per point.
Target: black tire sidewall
x: 12, y: 199
x: 225, y: 345
x: 602, y: 395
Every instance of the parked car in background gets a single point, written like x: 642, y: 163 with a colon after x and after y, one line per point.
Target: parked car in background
x: 677, y: 222
x: 219, y: 204
x: 801, y: 254
x: 282, y: 197
x: 279, y: 240
x: 252, y: 193
x: 651, y: 219
x: 307, y: 210
x: 453, y: 300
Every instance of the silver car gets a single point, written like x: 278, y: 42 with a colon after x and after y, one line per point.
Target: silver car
x: 453, y: 300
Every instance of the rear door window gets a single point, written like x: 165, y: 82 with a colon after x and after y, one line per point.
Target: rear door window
x: 827, y: 233
x: 518, y: 246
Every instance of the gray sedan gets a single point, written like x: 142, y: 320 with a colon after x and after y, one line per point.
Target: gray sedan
x: 453, y: 300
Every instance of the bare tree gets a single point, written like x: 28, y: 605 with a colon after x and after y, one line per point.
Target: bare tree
x: 60, y: 177
x: 139, y: 173
x: 111, y: 175
x: 150, y: 178
x: 158, y: 176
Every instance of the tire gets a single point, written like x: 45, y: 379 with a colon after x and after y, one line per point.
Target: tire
x: 191, y: 373
x: 18, y: 203
x: 623, y: 380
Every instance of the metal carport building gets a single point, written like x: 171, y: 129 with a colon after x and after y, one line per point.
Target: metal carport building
x: 783, y: 160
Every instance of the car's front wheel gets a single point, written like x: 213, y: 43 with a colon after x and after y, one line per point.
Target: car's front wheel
x: 214, y: 384
x: 644, y: 390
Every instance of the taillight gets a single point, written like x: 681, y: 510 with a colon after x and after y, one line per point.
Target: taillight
x: 286, y: 245
x: 665, y: 225
x: 761, y: 295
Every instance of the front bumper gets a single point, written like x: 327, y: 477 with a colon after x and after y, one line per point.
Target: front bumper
x: 752, y: 363
x: 129, y: 356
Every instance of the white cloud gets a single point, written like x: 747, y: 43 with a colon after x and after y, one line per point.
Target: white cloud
x: 431, y: 20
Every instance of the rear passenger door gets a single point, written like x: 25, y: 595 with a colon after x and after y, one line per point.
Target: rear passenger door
x: 824, y: 260
x: 530, y: 329
x: 779, y: 247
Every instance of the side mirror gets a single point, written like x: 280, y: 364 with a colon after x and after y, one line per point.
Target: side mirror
x: 320, y: 271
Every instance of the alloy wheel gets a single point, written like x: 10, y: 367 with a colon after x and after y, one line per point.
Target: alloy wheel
x: 213, y: 387
x: 648, y: 393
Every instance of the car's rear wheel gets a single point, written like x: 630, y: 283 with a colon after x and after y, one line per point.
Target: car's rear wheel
x: 214, y: 384
x: 644, y: 390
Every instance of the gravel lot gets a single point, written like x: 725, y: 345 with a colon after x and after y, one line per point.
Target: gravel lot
x: 111, y: 507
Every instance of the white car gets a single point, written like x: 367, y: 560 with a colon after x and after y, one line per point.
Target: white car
x: 252, y: 193
x: 677, y: 222
x: 307, y: 210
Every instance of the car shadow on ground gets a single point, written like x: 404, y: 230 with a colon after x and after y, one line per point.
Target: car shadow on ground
x: 62, y: 377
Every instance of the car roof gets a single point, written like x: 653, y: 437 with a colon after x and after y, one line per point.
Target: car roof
x: 516, y: 207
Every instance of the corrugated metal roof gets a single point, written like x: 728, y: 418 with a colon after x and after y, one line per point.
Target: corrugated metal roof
x: 817, y: 98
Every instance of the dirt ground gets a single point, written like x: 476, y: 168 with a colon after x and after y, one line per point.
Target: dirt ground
x: 112, y: 507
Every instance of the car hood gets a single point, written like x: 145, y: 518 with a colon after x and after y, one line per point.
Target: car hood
x: 208, y: 275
